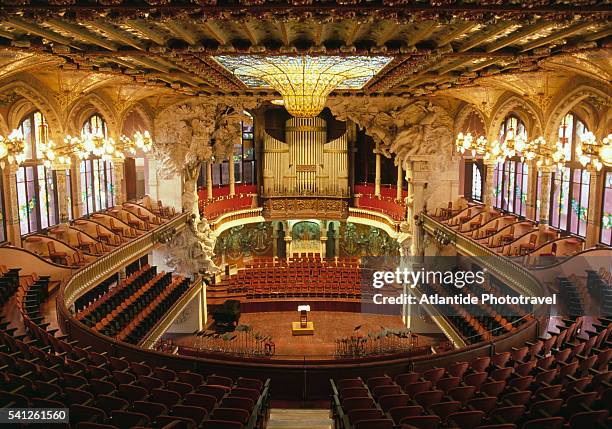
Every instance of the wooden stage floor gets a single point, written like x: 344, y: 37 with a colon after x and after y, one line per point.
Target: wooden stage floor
x: 328, y: 327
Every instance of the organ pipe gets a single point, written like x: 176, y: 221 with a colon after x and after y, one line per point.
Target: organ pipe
x: 306, y: 164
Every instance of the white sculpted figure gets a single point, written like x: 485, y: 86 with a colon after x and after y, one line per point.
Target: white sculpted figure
x: 191, y: 251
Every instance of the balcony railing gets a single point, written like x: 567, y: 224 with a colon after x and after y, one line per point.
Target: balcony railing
x: 101, y: 268
x: 511, y: 273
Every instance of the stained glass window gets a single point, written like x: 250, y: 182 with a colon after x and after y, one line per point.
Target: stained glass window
x: 606, y: 216
x: 96, y: 175
x: 36, y: 185
x: 511, y: 178
x: 569, y: 203
x: 476, y: 183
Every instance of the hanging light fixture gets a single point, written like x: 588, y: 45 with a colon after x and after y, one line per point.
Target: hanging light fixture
x: 304, y: 81
x: 467, y: 143
x: 592, y: 154
x: 543, y: 154
x: 494, y: 151
x: 140, y: 140
x: 12, y: 148
x: 605, y: 152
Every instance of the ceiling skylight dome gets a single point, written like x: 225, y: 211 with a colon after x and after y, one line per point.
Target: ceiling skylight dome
x: 304, y: 81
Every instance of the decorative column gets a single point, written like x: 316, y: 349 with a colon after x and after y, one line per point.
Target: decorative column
x: 275, y: 239
x: 323, y: 239
x: 13, y: 230
x: 209, y: 184
x: 288, y: 248
x: 418, y: 236
x: 593, y: 231
x: 62, y: 195
x: 118, y: 181
x: 398, y: 196
x: 489, y: 190
x: 410, y: 197
x: 232, y: 179
x: 377, y: 178
x: 203, y: 307
x: 545, y: 191
x: 532, y: 189
x: 77, y: 191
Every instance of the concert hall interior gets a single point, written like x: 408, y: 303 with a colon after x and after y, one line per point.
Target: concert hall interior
x: 323, y: 214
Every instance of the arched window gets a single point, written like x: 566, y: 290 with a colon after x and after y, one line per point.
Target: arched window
x: 606, y: 216
x: 36, y: 185
x: 2, y: 212
x: 244, y: 154
x: 96, y: 175
x: 243, y: 158
x: 476, y: 183
x: 569, y: 204
x: 511, y: 177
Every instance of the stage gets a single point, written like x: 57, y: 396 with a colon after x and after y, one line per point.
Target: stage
x: 328, y: 326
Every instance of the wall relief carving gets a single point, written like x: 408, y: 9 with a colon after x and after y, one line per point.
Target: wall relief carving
x: 191, y: 251
x: 191, y: 133
x: 400, y: 128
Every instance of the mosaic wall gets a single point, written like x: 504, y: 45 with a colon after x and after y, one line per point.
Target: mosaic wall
x: 364, y: 240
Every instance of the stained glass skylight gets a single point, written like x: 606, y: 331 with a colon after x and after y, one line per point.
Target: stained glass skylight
x: 304, y: 81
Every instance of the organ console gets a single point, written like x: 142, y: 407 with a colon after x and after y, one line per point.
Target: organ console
x: 306, y: 167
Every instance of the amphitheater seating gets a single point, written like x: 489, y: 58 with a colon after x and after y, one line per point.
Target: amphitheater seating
x: 481, y: 322
x: 561, y: 380
x: 130, y: 309
x: 44, y: 369
x: 299, y: 276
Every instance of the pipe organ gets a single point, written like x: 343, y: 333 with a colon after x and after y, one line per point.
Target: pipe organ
x: 306, y: 164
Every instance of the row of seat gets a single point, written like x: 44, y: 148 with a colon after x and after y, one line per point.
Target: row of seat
x: 563, y: 379
x: 481, y: 322
x: 44, y: 369
x: 292, y: 280
x: 129, y: 310
x: 102, y: 305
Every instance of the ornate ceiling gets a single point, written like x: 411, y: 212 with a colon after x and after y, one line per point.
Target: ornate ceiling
x: 437, y: 45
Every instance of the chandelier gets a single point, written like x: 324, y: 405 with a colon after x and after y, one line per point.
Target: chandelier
x: 59, y: 157
x: 593, y: 154
x: 142, y: 141
x: 304, y: 81
x: 466, y: 143
x: 12, y: 148
x: 543, y: 154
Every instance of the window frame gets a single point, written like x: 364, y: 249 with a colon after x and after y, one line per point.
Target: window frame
x: 511, y: 170
x: 568, y: 176
x: 40, y: 173
x: 3, y: 230
x: 96, y: 174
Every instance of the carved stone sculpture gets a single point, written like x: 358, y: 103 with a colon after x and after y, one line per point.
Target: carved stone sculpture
x: 191, y: 251
x: 401, y: 127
